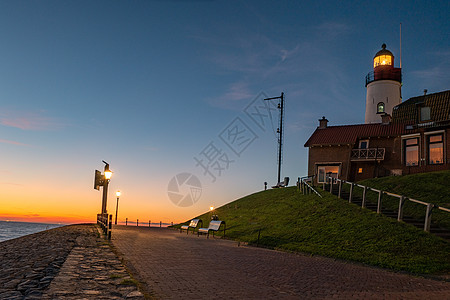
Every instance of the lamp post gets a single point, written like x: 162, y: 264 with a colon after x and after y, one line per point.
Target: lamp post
x: 117, y: 205
x: 107, y: 174
x: 103, y: 181
x: 280, y: 133
x: 211, y: 209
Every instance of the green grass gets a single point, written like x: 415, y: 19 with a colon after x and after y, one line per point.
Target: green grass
x: 331, y: 227
x: 129, y: 281
x: 428, y: 187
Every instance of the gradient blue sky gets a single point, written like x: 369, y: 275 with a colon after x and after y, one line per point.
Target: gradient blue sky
x: 147, y: 85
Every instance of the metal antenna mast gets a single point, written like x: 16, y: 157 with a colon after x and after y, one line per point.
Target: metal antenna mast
x: 280, y: 132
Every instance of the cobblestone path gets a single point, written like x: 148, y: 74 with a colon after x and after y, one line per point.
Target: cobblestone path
x: 174, y: 265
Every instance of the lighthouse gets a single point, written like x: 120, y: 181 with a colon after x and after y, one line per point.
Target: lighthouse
x: 384, y: 86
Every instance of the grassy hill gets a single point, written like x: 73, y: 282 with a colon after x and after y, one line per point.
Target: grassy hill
x: 429, y: 187
x: 288, y: 220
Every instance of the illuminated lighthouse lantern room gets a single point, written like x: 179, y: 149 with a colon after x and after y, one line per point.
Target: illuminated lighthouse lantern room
x: 384, y: 86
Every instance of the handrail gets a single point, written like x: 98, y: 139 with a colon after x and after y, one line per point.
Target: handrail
x: 302, y: 182
x: 402, y: 198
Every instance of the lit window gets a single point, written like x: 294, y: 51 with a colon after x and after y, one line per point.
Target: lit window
x: 327, y: 171
x: 435, y: 149
x: 380, y: 108
x: 382, y: 60
x: 360, y: 170
x: 412, y: 152
x: 425, y: 113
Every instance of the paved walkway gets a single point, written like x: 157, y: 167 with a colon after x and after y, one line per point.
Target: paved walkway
x: 174, y: 265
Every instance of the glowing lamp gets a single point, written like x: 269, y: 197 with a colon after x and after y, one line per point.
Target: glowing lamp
x: 108, y: 174
x: 118, y: 194
x: 211, y: 208
x: 383, y: 57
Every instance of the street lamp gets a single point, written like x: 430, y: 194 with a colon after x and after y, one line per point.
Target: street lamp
x: 213, y: 217
x: 117, y: 205
x: 108, y: 174
x: 103, y: 180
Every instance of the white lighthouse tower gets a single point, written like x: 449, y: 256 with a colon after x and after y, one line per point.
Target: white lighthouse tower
x: 384, y: 86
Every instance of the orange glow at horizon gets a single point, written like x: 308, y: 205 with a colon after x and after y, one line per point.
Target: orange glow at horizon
x: 43, y: 204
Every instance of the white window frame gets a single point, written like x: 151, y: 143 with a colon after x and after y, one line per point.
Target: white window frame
x: 324, y: 165
x: 362, y: 141
x: 426, y: 145
x: 407, y: 137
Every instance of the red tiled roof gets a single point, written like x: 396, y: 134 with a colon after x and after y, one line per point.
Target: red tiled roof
x: 349, y: 134
x: 408, y: 111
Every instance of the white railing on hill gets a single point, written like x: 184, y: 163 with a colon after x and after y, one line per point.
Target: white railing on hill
x: 402, y: 199
x: 305, y: 185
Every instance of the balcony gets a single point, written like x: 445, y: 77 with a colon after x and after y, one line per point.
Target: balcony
x: 369, y: 154
x: 384, y: 74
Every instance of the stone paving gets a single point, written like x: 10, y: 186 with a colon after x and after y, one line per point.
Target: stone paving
x: 175, y: 265
x: 69, y: 262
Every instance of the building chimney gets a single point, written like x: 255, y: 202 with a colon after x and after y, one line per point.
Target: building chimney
x: 323, y: 123
x: 386, y: 119
x: 425, y: 91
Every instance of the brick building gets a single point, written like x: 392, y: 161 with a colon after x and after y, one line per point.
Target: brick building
x: 415, y: 139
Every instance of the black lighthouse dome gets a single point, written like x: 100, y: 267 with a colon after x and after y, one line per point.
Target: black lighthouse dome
x: 384, y: 51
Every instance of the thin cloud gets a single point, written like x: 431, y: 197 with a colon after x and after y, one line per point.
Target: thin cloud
x: 261, y: 61
x: 13, y: 143
x: 11, y: 183
x: 35, y: 121
x: 238, y: 91
x: 333, y: 30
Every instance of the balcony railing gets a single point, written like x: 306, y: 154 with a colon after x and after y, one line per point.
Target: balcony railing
x: 386, y: 74
x: 368, y: 154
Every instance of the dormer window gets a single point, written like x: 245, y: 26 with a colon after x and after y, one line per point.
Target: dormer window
x: 380, y: 108
x: 425, y: 114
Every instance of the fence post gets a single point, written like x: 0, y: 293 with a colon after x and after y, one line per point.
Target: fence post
x: 126, y: 222
x: 363, y: 204
x: 401, y: 203
x: 105, y: 224
x: 331, y: 185
x: 380, y: 196
x: 149, y: 223
x: 340, y: 189
x: 160, y: 224
x: 137, y: 222
x: 351, y: 193
x: 427, y: 224
x: 109, y: 227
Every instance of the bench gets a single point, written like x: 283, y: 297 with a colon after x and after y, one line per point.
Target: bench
x: 214, y: 226
x: 282, y: 184
x: 193, y: 224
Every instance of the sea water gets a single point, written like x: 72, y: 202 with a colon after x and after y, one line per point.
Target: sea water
x: 11, y: 230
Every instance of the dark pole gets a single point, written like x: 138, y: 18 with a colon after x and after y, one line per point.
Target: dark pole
x: 117, y: 208
x: 105, y: 188
x: 280, y: 132
x: 280, y: 137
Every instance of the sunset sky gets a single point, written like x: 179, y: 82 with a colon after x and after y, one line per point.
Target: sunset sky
x: 154, y: 87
